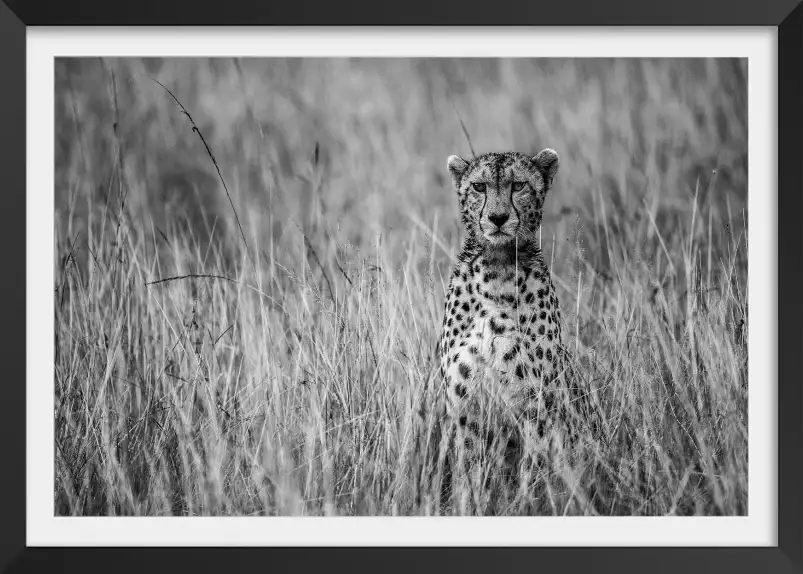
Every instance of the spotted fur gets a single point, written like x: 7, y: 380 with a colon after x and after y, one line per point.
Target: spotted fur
x: 502, y: 324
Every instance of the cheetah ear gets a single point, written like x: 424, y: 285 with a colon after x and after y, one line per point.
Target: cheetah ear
x: 547, y: 162
x: 457, y: 167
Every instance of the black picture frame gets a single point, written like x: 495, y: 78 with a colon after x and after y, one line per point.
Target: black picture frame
x: 786, y: 15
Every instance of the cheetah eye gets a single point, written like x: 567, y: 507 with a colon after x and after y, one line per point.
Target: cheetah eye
x: 519, y: 185
x: 478, y: 187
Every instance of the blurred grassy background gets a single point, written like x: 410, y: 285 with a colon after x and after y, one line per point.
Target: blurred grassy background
x: 288, y: 387
x: 626, y: 129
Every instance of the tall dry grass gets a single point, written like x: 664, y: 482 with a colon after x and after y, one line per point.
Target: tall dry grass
x: 275, y: 362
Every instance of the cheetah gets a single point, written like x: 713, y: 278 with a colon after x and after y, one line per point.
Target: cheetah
x: 502, y: 323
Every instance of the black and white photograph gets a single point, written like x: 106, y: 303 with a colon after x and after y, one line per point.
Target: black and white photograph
x: 397, y: 287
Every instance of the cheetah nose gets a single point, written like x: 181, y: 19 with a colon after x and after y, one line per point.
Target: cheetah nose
x: 498, y: 219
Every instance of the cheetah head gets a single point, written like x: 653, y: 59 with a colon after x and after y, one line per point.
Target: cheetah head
x: 501, y: 195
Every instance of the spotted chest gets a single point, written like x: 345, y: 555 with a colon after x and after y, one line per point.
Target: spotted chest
x: 501, y: 329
